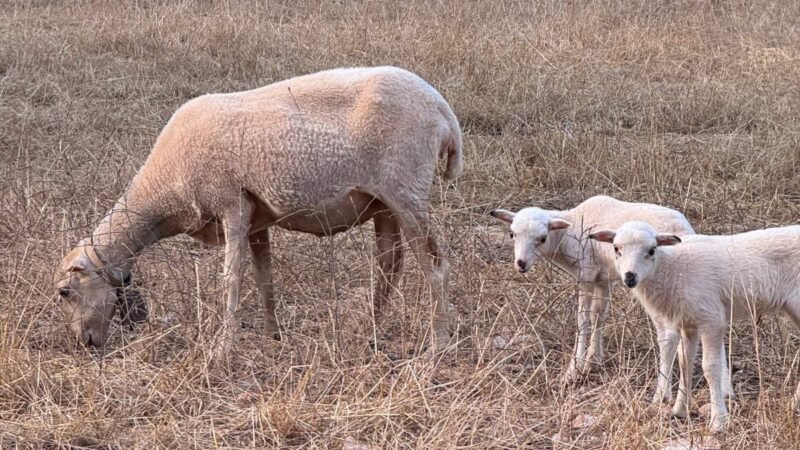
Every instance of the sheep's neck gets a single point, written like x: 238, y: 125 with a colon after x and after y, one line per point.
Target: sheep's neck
x: 126, y: 230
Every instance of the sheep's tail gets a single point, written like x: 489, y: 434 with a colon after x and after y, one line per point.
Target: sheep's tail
x: 450, y: 150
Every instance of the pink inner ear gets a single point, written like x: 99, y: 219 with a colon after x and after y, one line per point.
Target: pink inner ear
x: 604, y: 236
x: 558, y: 224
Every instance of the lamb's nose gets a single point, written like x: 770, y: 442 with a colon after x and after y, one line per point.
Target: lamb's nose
x: 521, y: 264
x: 630, y: 279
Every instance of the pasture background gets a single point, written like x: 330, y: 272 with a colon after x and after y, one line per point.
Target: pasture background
x: 695, y: 105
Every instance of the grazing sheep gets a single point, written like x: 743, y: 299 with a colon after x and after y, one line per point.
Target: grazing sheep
x: 318, y: 153
x: 700, y: 285
x: 559, y: 236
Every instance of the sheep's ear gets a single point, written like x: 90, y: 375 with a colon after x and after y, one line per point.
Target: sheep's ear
x: 79, y: 264
x: 667, y: 239
x: 604, y: 236
x: 558, y: 224
x: 502, y: 214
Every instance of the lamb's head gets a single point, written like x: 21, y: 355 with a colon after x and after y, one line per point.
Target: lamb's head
x: 87, y: 294
x: 531, y: 230
x: 635, y: 250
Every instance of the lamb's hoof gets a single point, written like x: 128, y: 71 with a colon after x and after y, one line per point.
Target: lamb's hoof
x: 573, y: 375
x: 592, y: 363
x: 439, y: 343
x: 660, y: 398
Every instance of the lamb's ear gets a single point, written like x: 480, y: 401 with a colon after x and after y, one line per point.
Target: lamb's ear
x: 604, y: 236
x: 558, y: 224
x: 667, y: 239
x: 502, y: 214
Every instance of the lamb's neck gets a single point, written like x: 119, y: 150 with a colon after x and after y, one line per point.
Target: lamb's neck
x: 660, y: 293
x: 565, y: 249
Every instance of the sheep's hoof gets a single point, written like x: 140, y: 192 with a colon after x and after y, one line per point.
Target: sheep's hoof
x: 680, y: 411
x: 718, y: 423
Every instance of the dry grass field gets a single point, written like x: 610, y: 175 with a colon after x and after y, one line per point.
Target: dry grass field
x: 691, y: 104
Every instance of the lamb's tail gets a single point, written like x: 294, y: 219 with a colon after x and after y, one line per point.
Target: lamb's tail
x: 451, y: 146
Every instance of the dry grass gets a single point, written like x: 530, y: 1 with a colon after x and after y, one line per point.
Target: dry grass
x: 694, y: 105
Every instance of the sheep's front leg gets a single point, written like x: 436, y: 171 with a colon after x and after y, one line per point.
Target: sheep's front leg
x: 584, y: 330
x: 712, y: 369
x: 687, y: 350
x: 668, y: 341
x: 599, y: 312
x: 262, y: 272
x: 236, y: 223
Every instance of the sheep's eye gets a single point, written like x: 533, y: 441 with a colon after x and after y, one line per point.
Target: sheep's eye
x: 543, y: 239
x: 511, y: 235
x: 616, y: 249
x: 63, y: 292
x: 652, y: 251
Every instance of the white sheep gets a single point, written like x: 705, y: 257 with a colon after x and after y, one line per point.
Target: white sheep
x: 699, y: 284
x: 560, y: 237
x: 318, y: 153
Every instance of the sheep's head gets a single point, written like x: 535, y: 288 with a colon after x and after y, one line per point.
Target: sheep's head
x: 531, y: 230
x: 87, y: 294
x: 635, y: 250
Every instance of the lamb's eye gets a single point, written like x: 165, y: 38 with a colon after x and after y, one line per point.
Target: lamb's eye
x: 652, y: 251
x: 543, y: 239
x: 63, y: 292
x: 511, y: 235
x: 616, y: 249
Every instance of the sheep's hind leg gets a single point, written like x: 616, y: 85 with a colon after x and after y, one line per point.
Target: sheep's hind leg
x: 236, y: 223
x: 262, y: 272
x: 389, y: 254
x: 415, y: 223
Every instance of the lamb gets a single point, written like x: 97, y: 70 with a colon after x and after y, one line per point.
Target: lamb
x: 318, y: 153
x: 559, y: 237
x: 699, y: 284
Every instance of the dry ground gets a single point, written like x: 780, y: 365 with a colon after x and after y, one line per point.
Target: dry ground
x: 695, y: 105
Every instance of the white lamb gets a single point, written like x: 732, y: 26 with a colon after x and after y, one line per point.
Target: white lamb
x: 560, y: 237
x: 318, y: 153
x: 699, y: 284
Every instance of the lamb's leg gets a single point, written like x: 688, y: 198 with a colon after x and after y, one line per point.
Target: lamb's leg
x: 727, y: 386
x: 598, y: 314
x: 262, y: 272
x: 712, y: 369
x: 584, y: 330
x: 668, y: 341
x: 389, y: 253
x: 687, y: 350
x: 415, y: 223
x: 792, y: 309
x: 236, y: 223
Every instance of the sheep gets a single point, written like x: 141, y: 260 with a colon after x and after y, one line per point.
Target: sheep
x: 699, y: 284
x: 558, y: 236
x: 318, y: 153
